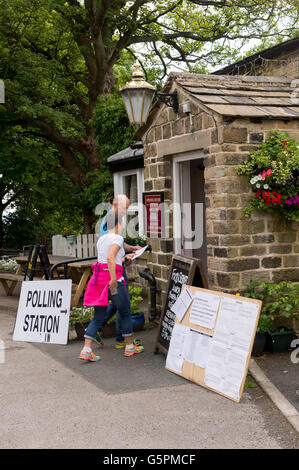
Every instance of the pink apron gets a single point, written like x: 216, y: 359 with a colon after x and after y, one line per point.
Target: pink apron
x: 97, y: 290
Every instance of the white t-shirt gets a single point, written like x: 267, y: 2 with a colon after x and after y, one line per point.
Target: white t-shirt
x: 104, y: 243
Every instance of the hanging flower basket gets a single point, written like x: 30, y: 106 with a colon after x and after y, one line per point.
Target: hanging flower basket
x: 273, y: 175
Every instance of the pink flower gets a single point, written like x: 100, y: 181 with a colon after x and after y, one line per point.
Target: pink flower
x: 269, y: 172
x: 264, y: 174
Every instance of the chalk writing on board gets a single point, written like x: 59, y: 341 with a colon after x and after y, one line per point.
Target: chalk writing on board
x: 177, y: 280
x: 184, y: 270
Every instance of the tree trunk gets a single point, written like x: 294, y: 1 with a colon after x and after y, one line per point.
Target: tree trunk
x: 89, y: 221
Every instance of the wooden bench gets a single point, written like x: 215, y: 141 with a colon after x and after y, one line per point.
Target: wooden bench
x: 13, y: 278
x: 9, y: 281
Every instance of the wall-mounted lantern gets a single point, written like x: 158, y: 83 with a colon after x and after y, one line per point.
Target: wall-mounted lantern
x: 138, y: 96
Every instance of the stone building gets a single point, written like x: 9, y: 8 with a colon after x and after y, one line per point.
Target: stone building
x: 191, y: 157
x: 281, y: 60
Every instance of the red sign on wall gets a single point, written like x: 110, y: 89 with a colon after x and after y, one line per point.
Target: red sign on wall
x: 153, y: 210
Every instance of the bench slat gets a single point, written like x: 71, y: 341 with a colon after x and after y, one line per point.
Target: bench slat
x: 16, y: 277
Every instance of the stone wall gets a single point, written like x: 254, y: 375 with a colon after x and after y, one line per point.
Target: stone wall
x: 261, y: 247
x: 239, y: 249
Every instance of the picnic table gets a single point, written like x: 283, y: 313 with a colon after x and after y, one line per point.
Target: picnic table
x: 79, y: 272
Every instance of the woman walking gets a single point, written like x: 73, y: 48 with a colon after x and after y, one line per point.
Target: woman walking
x: 107, y: 282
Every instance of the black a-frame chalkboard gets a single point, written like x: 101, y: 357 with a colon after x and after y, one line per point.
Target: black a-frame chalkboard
x: 184, y: 270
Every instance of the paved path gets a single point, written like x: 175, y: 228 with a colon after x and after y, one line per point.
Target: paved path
x: 51, y: 399
x: 283, y: 373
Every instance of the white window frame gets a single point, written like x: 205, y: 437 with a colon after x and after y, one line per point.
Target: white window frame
x: 119, y: 188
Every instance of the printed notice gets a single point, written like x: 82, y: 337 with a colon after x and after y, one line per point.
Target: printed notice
x: 235, y: 323
x: 182, y: 304
x: 197, y: 349
x: 233, y: 334
x: 204, y: 309
x: 175, y: 356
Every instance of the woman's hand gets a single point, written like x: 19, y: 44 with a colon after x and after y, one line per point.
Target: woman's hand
x: 135, y: 248
x: 128, y: 258
x: 113, y: 285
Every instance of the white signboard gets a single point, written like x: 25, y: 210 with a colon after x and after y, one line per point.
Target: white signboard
x: 43, y: 312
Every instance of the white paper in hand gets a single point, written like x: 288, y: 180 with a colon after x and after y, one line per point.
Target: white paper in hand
x: 139, y: 252
x: 182, y: 304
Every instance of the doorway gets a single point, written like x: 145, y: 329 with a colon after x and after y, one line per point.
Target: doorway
x: 189, y: 212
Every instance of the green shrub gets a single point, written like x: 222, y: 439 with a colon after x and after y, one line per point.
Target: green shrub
x: 81, y: 314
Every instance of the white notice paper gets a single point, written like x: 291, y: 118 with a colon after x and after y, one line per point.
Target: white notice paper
x: 182, y: 304
x: 197, y: 348
x: 175, y: 356
x: 235, y: 324
x: 226, y: 364
x: 139, y: 252
x: 204, y: 309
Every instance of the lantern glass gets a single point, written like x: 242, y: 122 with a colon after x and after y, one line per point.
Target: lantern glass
x: 137, y: 102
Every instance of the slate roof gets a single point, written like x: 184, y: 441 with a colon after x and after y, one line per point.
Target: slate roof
x: 242, y: 95
x: 234, y: 96
x: 126, y: 155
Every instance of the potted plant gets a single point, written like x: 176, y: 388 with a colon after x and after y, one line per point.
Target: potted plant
x: 137, y: 315
x: 79, y: 318
x: 8, y: 265
x: 280, y: 304
x: 141, y: 240
x: 69, y: 234
x: 109, y: 330
x: 265, y: 327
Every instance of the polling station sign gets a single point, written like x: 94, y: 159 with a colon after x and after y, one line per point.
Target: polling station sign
x: 43, y: 312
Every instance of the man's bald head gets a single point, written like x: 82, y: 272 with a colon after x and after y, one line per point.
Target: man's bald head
x: 121, y: 204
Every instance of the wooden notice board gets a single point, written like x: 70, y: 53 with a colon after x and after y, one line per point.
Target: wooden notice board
x: 183, y: 270
x: 234, y: 310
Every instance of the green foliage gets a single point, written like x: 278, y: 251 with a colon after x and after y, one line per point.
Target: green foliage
x: 100, y: 188
x: 81, y: 315
x: 34, y: 187
x: 110, y: 115
x: 265, y: 324
x: 141, y: 241
x: 279, y: 300
x: 9, y: 265
x: 250, y: 384
x: 273, y: 174
x: 136, y: 298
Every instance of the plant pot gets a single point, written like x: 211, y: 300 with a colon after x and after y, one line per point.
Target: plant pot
x: 109, y: 330
x: 71, y: 239
x: 280, y: 342
x: 80, y: 329
x: 259, y: 344
x: 138, y: 321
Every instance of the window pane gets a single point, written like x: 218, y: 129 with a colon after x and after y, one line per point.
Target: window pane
x: 131, y: 188
x: 132, y: 226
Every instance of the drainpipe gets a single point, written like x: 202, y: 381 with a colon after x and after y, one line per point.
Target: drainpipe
x: 148, y: 276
